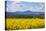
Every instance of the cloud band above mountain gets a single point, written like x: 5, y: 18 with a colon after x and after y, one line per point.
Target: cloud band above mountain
x: 13, y: 6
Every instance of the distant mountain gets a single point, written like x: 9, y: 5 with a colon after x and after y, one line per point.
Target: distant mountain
x: 25, y: 13
x: 28, y: 11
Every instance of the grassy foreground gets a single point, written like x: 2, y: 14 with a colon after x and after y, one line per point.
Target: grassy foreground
x: 24, y: 23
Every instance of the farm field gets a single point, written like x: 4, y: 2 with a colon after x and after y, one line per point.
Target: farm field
x: 24, y: 23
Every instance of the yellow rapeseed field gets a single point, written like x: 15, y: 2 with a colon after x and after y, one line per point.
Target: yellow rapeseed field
x: 23, y: 23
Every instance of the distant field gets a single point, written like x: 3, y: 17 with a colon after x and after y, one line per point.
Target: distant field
x: 24, y: 23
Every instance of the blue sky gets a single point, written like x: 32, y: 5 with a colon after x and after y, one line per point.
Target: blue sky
x: 13, y: 6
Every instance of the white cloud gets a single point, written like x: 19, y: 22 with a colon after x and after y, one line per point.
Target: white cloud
x: 13, y: 7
